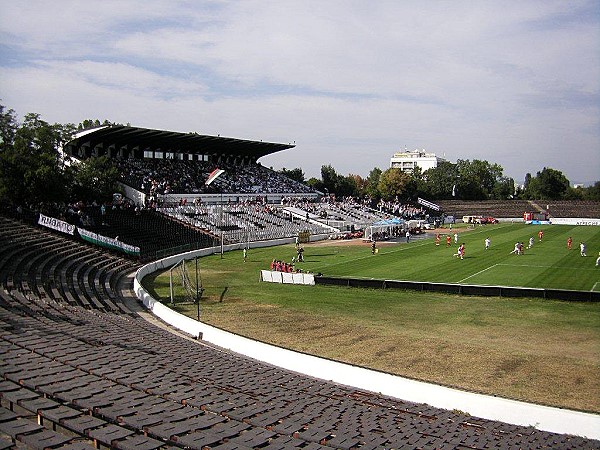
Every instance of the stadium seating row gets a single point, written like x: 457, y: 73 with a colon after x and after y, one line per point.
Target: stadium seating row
x: 516, y: 208
x: 80, y: 369
x: 240, y: 223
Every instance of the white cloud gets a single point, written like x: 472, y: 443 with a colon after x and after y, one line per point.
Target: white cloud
x: 351, y: 82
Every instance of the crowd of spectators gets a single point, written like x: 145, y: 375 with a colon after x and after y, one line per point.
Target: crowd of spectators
x: 403, y: 210
x: 165, y: 177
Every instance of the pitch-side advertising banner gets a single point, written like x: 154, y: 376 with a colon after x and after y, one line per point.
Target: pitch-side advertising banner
x: 574, y: 221
x: 56, y: 224
x: 104, y: 241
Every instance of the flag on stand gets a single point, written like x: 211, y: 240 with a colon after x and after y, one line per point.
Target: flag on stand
x: 213, y: 176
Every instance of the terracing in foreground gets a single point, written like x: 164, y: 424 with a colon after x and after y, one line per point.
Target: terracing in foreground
x: 80, y: 368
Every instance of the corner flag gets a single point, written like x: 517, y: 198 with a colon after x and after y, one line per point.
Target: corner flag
x: 213, y: 176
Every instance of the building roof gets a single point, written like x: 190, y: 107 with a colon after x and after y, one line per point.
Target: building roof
x: 120, y: 136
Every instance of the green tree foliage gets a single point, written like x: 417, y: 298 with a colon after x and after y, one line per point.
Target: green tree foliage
x: 441, y: 180
x: 393, y: 183
x: 592, y: 192
x: 95, y: 179
x: 294, y: 174
x: 315, y: 183
x: 346, y: 186
x: 93, y: 123
x: 417, y: 187
x: 8, y: 127
x: 372, y: 188
x: 328, y: 178
x: 32, y: 170
x: 504, y: 188
x: 361, y: 185
x: 548, y: 184
x: 477, y: 179
x: 333, y: 183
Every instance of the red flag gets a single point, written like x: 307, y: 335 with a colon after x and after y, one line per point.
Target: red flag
x: 213, y: 176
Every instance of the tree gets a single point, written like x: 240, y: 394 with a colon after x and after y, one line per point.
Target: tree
x: 504, y: 188
x: 592, y: 192
x: 345, y: 186
x: 8, y: 127
x: 328, y: 178
x: 315, y: 184
x: 372, y: 189
x: 360, y: 184
x: 95, y: 179
x: 477, y: 179
x: 31, y: 167
x: 548, y: 184
x: 417, y: 187
x: 92, y: 123
x: 441, y: 180
x: 294, y: 174
x: 392, y: 183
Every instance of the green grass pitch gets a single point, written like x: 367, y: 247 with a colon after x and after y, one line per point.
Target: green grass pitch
x: 548, y: 264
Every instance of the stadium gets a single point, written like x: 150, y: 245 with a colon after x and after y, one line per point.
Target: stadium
x: 101, y: 346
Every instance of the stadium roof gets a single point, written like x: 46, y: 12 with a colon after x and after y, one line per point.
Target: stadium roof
x: 116, y: 137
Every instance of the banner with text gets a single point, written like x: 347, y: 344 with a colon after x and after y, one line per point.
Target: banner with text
x: 574, y: 221
x: 107, y: 242
x: 56, y: 224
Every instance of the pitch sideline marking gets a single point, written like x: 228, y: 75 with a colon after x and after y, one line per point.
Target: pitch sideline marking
x: 475, y: 274
x: 545, y: 267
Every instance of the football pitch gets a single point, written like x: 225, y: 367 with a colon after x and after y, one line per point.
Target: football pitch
x: 536, y: 350
x: 547, y: 264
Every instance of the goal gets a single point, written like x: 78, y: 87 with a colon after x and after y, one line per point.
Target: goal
x: 182, y: 287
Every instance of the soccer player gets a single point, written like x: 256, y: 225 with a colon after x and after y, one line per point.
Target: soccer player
x: 456, y: 238
x: 531, y: 241
x: 461, y: 251
x: 569, y: 243
x: 598, y: 260
x: 516, y: 250
x: 582, y: 249
x: 448, y: 240
x: 541, y: 235
x: 487, y: 243
x: 437, y: 239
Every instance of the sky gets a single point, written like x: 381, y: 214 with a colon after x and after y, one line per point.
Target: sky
x: 513, y: 82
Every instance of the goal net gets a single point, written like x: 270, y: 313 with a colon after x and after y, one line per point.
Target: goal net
x: 182, y: 287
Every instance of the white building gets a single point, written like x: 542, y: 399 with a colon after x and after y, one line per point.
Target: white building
x: 407, y: 160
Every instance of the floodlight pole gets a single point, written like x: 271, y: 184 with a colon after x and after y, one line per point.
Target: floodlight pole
x: 212, y: 177
x: 221, y: 224
x: 197, y: 289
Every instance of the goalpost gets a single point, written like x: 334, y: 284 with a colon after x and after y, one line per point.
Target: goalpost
x: 182, y: 289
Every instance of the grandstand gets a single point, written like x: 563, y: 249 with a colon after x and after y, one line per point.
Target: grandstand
x: 164, y: 167
x: 516, y: 208
x: 82, y: 369
x: 165, y: 172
